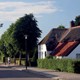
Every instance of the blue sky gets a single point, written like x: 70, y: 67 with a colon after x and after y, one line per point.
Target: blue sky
x: 49, y: 13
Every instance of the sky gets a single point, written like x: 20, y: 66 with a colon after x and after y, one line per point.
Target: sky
x: 49, y: 13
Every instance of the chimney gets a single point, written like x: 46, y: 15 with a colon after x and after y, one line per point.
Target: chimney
x: 72, y: 23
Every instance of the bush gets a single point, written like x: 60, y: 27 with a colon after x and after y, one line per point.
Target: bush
x: 77, y: 66
x: 66, y: 65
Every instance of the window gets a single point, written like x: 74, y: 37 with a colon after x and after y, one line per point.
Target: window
x: 39, y: 48
x: 45, y: 54
x: 77, y: 56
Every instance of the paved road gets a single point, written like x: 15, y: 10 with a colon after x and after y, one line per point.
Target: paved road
x: 15, y: 73
x: 56, y: 75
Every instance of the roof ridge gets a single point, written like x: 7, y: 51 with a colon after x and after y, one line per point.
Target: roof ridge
x: 65, y: 34
x: 47, y: 36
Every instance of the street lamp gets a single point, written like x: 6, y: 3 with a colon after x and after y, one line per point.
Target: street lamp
x: 26, y: 61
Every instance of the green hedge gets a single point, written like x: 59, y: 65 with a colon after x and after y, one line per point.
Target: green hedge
x: 66, y: 65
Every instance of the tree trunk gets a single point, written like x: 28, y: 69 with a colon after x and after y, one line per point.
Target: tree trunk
x: 29, y: 60
x: 14, y: 60
x: 20, y: 59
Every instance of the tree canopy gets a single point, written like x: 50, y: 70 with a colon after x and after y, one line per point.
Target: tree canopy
x: 77, y: 20
x: 61, y: 27
x: 14, y: 39
x: 26, y: 25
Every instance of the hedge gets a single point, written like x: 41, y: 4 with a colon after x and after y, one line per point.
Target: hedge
x: 66, y: 65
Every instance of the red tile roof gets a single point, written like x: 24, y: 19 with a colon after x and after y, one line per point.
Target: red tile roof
x: 66, y: 48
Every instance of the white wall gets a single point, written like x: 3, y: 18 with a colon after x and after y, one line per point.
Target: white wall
x: 74, y: 52
x: 42, y: 51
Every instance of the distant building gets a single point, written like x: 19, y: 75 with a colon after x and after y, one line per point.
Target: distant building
x: 61, y: 43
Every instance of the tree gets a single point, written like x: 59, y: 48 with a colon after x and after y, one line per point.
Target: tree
x: 77, y: 20
x: 26, y: 25
x: 9, y: 42
x: 61, y: 27
x: 4, y: 51
x: 7, y: 38
x: 14, y: 38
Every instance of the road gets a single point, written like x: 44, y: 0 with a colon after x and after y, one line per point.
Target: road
x: 15, y: 73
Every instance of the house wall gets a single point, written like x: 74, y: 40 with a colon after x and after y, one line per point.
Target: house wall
x: 42, y: 51
x: 74, y: 52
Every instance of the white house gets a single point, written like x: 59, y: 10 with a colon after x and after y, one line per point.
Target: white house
x: 49, y: 42
x: 61, y: 43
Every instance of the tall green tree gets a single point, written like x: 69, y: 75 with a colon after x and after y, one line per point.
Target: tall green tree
x: 9, y: 42
x: 14, y: 37
x: 27, y: 25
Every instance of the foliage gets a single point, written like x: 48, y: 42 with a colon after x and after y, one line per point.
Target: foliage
x: 14, y: 40
x: 61, y: 27
x: 66, y: 65
x: 8, y: 41
x: 26, y: 25
x: 77, y: 20
x: 50, y: 57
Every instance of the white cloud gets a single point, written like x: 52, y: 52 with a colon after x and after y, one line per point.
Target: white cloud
x: 12, y: 10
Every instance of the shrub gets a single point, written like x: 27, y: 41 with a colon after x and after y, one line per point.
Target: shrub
x: 66, y: 65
